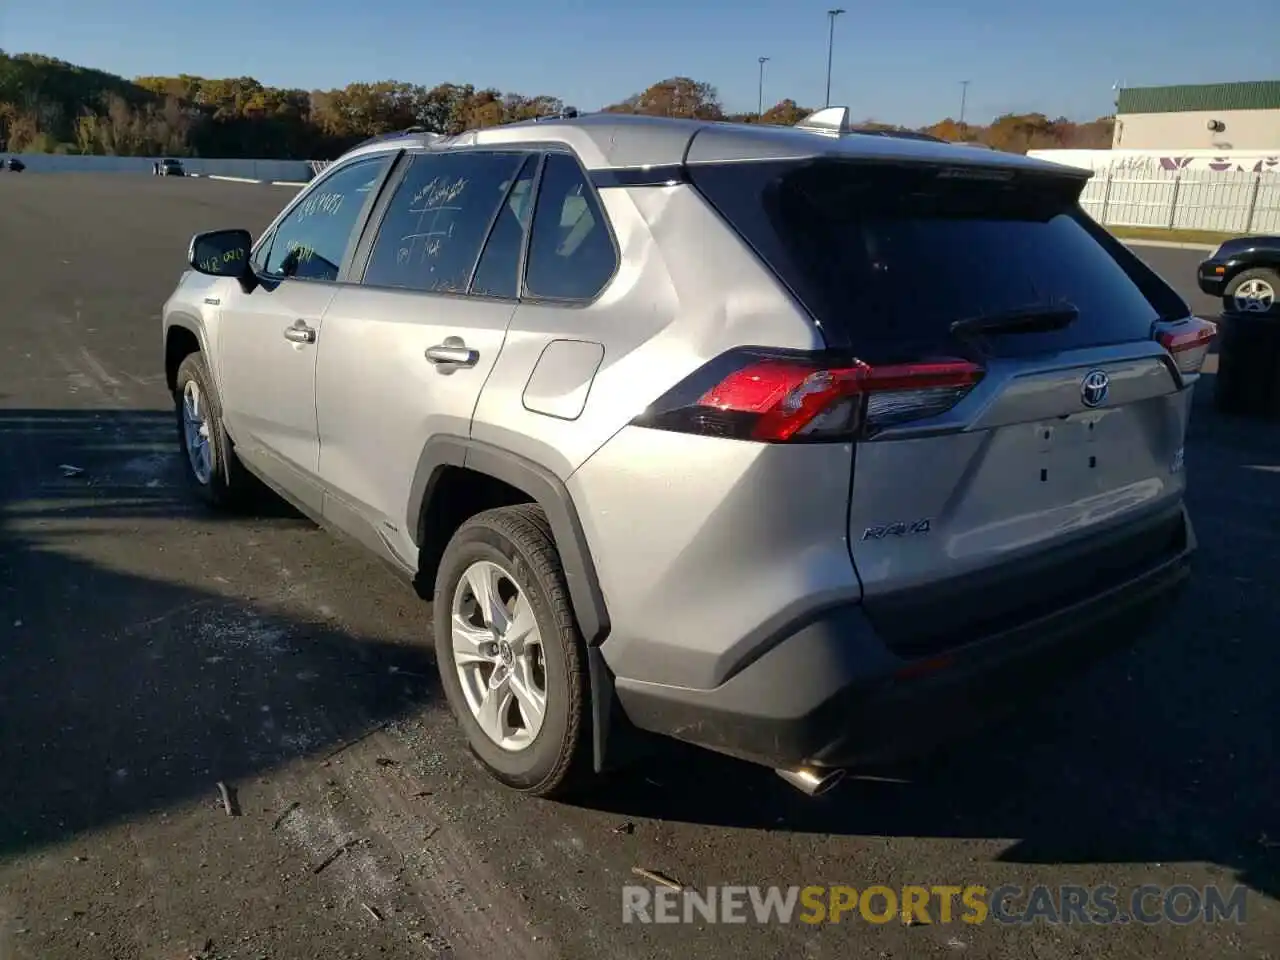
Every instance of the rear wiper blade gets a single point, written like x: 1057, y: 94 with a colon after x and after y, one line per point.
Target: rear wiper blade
x: 1025, y: 320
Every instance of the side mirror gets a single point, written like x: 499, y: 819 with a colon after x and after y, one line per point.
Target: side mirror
x: 220, y: 253
x: 223, y: 253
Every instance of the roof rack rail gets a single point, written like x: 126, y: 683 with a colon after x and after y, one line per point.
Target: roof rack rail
x: 394, y: 134
x: 900, y: 134
x: 568, y: 113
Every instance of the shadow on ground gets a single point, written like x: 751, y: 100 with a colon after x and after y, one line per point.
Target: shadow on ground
x: 122, y: 693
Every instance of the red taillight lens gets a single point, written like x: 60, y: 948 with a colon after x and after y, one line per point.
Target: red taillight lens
x: 1187, y: 341
x: 773, y: 399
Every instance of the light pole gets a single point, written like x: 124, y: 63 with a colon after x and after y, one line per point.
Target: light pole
x: 760, y: 95
x: 964, y: 95
x: 831, y: 39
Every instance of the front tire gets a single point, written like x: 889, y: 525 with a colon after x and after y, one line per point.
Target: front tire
x: 1253, y: 291
x: 211, y: 463
x: 511, y: 659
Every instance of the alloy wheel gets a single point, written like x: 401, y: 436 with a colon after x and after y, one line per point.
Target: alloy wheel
x: 195, y: 433
x: 498, y: 655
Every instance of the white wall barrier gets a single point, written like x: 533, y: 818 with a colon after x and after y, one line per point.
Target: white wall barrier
x: 1228, y: 201
x: 265, y: 170
x: 1237, y: 193
x: 1142, y: 163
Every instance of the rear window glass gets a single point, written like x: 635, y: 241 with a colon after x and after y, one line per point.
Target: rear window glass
x: 886, y: 258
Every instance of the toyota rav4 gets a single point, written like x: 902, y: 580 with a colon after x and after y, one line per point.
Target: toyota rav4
x: 809, y: 447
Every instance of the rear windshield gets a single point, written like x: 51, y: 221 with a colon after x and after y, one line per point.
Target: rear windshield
x: 887, y: 257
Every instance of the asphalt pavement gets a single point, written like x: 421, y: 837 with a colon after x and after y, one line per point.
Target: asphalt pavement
x: 1178, y: 267
x: 150, y: 652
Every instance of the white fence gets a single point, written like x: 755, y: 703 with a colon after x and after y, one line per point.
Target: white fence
x: 268, y: 170
x: 1228, y: 201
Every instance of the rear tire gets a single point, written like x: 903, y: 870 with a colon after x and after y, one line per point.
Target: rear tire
x: 527, y: 648
x: 1253, y: 291
x: 211, y: 464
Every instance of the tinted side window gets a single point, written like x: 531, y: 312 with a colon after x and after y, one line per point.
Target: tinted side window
x: 431, y: 235
x: 259, y: 259
x: 571, y: 255
x: 310, y: 242
x: 498, y: 273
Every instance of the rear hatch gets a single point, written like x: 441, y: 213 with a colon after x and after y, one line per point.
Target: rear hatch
x: 1022, y: 385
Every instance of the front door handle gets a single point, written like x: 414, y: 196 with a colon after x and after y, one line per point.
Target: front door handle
x: 453, y: 353
x: 300, y: 332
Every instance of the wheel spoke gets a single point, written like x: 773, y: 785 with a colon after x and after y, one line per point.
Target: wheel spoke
x: 494, y: 707
x: 532, y: 701
x: 470, y: 643
x: 482, y: 578
x: 522, y: 626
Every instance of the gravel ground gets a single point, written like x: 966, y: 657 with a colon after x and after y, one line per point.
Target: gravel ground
x: 149, y: 652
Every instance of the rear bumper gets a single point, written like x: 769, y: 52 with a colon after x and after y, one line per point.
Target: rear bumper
x: 832, y: 695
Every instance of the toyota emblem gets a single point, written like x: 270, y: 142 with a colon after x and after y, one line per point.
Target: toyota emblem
x: 1093, y: 388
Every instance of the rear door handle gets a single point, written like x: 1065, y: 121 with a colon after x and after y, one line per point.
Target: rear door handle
x: 300, y: 332
x: 453, y: 353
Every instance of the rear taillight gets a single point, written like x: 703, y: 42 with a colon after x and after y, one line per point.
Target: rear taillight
x: 1187, y: 341
x: 772, y: 398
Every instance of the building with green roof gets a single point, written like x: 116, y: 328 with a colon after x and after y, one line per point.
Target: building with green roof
x: 1210, y: 116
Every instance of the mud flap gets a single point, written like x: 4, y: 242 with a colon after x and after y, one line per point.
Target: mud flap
x: 616, y: 742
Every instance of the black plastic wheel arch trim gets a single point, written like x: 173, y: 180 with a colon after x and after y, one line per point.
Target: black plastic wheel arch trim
x: 547, y: 491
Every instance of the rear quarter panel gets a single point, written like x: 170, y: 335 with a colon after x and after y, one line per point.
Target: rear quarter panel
x: 686, y: 289
x: 707, y: 548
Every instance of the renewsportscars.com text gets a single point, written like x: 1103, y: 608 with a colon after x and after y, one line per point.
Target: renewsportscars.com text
x: 971, y: 903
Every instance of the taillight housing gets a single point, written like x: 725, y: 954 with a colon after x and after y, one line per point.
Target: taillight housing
x: 797, y: 398
x: 1187, y: 341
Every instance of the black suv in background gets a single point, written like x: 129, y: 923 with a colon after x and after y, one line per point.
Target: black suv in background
x: 168, y: 167
x: 1245, y: 273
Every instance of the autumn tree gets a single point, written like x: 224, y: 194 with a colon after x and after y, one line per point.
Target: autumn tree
x: 50, y: 105
x: 786, y: 113
x: 675, y: 97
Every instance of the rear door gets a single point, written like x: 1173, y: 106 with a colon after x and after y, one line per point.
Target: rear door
x: 1051, y: 467
x: 408, y: 348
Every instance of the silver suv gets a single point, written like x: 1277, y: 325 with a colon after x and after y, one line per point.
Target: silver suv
x: 810, y: 449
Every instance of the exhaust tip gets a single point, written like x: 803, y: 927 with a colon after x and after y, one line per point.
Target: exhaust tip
x: 812, y: 782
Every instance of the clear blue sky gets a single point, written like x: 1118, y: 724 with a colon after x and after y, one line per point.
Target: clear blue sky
x: 895, y: 60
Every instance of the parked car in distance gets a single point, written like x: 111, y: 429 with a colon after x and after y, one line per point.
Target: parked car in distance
x: 1245, y: 273
x: 810, y: 449
x: 168, y: 167
x: 14, y: 164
